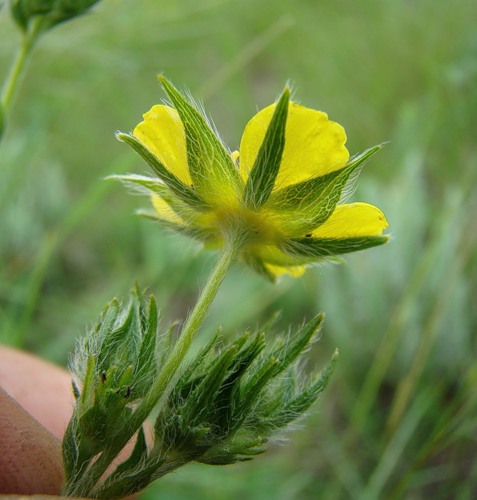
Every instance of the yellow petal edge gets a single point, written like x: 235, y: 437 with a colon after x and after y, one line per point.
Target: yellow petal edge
x: 314, y: 145
x: 353, y: 220
x: 162, y: 133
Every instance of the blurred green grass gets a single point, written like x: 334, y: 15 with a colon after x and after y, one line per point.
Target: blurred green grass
x: 399, y: 419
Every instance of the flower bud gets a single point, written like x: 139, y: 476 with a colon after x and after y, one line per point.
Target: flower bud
x: 114, y: 366
x: 50, y: 12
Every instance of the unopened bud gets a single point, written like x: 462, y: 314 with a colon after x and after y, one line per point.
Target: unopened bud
x: 50, y: 12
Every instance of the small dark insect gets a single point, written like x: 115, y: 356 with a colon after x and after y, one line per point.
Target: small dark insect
x: 127, y: 393
x: 308, y: 235
x: 103, y: 377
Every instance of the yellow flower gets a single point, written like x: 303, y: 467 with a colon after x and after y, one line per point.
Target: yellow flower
x: 283, y: 189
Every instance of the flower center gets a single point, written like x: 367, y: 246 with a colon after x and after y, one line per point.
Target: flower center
x: 261, y: 226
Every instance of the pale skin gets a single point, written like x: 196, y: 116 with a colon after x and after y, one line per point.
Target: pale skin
x: 35, y: 406
x: 36, y: 402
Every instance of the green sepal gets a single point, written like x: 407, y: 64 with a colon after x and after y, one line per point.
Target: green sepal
x: 185, y: 193
x: 210, y: 165
x: 311, y: 202
x: 257, y: 265
x: 191, y: 231
x: 269, y: 157
x: 152, y: 186
x: 144, y: 184
x: 311, y: 249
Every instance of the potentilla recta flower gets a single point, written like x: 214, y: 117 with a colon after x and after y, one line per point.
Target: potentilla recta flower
x: 283, y: 188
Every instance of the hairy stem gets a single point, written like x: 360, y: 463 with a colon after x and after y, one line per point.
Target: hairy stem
x: 17, y: 70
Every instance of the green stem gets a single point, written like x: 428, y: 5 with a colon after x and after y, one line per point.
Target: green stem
x: 159, y: 390
x: 17, y: 69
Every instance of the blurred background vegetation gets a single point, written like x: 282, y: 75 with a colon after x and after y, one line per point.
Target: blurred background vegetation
x: 400, y: 417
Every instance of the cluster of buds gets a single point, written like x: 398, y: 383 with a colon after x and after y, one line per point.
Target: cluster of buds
x: 227, y: 403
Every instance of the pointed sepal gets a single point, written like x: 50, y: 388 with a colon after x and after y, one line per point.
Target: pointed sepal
x: 261, y: 179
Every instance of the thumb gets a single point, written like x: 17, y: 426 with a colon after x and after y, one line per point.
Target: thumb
x: 30, y: 461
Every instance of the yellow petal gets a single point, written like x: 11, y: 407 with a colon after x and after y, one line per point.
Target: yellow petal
x: 162, y: 133
x: 314, y: 145
x: 294, y: 271
x: 271, y: 255
x: 165, y: 212
x: 235, y: 157
x: 352, y: 220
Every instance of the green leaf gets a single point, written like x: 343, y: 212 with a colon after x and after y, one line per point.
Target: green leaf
x: 245, y: 356
x: 146, y: 368
x: 297, y: 343
x: 96, y: 342
x: 130, y: 482
x: 210, y: 165
x: 185, y: 193
x: 224, y: 407
x: 296, y: 406
x: 87, y: 394
x: 70, y: 448
x: 113, y: 335
x: 311, y: 202
x: 253, y: 388
x: 198, y: 360
x: 267, y: 164
x: 201, y: 400
x: 242, y: 447
x: 308, y: 396
x: 224, y: 404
